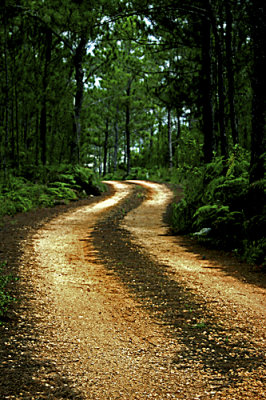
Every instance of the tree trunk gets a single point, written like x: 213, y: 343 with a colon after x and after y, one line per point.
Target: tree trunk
x: 230, y: 71
x: 170, y: 145
x: 17, y: 129
x: 79, y: 74
x: 43, y: 118
x: 105, y: 148
x: 127, y: 127
x: 37, y: 144
x: 53, y: 140
x: 116, y: 138
x: 258, y: 82
x: 160, y: 152
x: 6, y: 136
x: 207, y: 106
x: 25, y: 133
x: 178, y: 127
x: 220, y: 78
x: 177, y: 140
x: 43, y: 131
x: 12, y: 123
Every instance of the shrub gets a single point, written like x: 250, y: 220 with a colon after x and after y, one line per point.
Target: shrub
x: 218, y: 197
x: 67, y: 183
x: 254, y: 252
x: 138, y: 173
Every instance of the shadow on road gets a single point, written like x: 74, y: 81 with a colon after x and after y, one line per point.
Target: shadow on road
x: 24, y: 373
x: 186, y: 317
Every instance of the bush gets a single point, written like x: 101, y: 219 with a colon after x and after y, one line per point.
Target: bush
x: 217, y: 197
x: 67, y: 183
x: 182, y: 214
x: 88, y: 181
x: 254, y: 252
x: 118, y: 175
x: 138, y: 173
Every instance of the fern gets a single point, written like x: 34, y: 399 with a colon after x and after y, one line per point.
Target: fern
x: 181, y: 217
x: 221, y: 199
x: 61, y: 191
x: 63, y: 183
x: 208, y: 215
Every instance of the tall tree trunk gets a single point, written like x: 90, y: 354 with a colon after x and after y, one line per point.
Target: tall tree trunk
x: 220, y: 78
x: 12, y: 123
x: 13, y: 113
x: 127, y: 127
x: 206, y: 83
x: 258, y: 82
x: 177, y: 140
x: 105, y: 148
x: 37, y: 143
x: 25, y: 133
x: 6, y: 136
x: 79, y: 74
x: 230, y: 71
x: 17, y: 129
x: 43, y: 132
x: 160, y: 142
x: 256, y: 196
x: 52, y: 135
x: 170, y: 144
x: 116, y: 138
x: 43, y: 117
x: 178, y: 127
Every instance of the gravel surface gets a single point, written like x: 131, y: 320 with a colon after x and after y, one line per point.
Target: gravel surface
x: 112, y: 306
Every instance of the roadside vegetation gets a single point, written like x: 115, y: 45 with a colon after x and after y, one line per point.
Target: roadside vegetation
x: 219, y: 208
x: 46, y: 187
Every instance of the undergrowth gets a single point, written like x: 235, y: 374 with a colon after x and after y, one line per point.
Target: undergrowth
x: 220, y: 210
x: 156, y: 174
x: 46, y: 187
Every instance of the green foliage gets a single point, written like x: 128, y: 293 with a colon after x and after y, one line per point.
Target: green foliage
x: 61, y: 191
x: 5, y: 298
x: 87, y: 180
x: 62, y: 184
x: 254, y: 251
x: 153, y: 174
x: 182, y: 217
x: 217, y: 197
x: 138, y: 173
x: 118, y: 175
x: 163, y: 174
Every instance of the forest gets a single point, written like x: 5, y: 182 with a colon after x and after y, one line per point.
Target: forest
x: 162, y: 90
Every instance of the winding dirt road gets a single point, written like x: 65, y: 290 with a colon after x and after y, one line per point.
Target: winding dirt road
x: 114, y: 307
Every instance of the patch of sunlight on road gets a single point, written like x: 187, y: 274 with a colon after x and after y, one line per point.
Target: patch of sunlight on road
x: 160, y: 196
x: 122, y: 190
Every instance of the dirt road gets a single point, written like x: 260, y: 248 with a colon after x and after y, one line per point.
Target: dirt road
x: 114, y: 307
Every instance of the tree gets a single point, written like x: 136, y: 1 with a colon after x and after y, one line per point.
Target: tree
x: 207, y: 91
x: 230, y: 71
x: 258, y: 82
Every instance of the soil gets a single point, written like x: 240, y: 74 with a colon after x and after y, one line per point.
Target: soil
x: 111, y: 306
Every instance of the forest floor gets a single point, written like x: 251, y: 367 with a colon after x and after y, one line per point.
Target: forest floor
x: 112, y: 306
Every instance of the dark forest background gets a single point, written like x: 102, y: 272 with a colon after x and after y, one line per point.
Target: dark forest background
x: 170, y: 90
